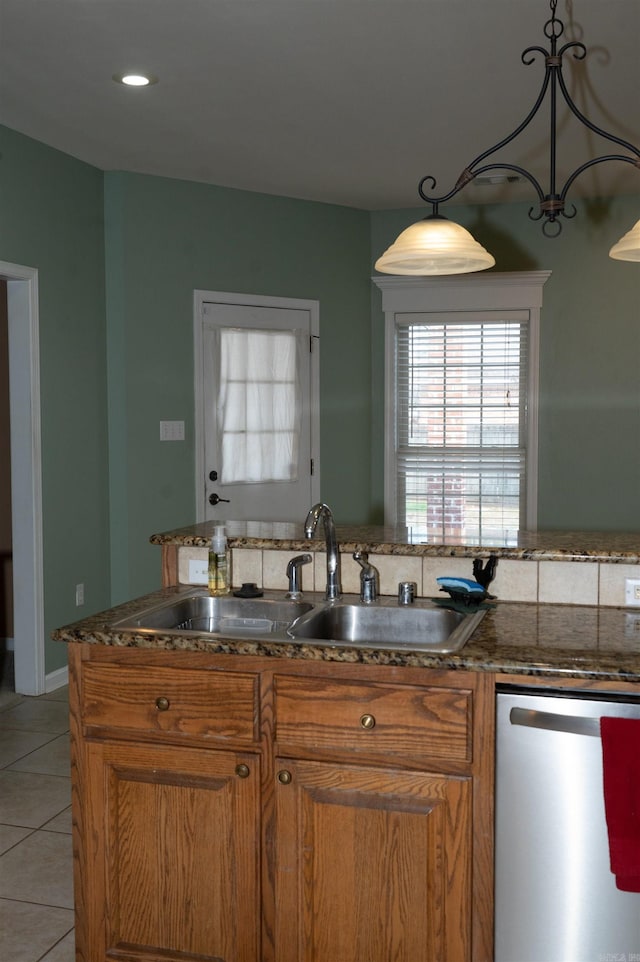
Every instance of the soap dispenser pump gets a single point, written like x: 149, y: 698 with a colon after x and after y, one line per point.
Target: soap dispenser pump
x: 219, y: 563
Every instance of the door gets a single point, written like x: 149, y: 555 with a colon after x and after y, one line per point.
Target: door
x: 257, y: 406
x: 371, y: 864
x: 172, y: 858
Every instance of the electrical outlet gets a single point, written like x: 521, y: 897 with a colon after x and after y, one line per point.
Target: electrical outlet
x: 198, y: 572
x: 632, y: 592
x: 79, y: 595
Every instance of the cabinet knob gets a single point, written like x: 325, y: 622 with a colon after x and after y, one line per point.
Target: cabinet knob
x: 284, y: 777
x: 368, y: 722
x: 162, y: 703
x: 242, y: 771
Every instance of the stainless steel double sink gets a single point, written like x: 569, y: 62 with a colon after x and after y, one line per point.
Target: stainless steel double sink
x: 424, y: 626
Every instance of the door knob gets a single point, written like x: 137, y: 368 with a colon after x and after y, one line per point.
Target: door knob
x: 216, y: 499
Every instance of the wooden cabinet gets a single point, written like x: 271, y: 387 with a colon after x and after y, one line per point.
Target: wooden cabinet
x: 154, y: 700
x: 166, y: 804
x: 171, y: 869
x: 241, y: 809
x: 372, y: 864
x: 408, y: 724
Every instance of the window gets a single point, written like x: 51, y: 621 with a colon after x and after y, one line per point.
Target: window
x: 461, y: 458
x: 461, y: 399
x: 258, y: 405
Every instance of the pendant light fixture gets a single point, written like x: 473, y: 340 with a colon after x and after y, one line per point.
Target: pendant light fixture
x: 436, y: 245
x: 628, y: 247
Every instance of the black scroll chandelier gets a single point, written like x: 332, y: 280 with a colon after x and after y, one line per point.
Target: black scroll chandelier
x: 437, y: 245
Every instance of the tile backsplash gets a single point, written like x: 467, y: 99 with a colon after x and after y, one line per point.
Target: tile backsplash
x: 547, y: 582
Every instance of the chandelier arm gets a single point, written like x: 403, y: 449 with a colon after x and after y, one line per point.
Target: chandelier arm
x: 594, y: 127
x: 527, y: 120
x: 581, y: 50
x: 435, y: 200
x: 469, y: 173
x: 591, y: 163
x: 518, y: 170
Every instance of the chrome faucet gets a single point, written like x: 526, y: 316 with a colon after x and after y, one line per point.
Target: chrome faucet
x: 318, y: 511
x: 295, y: 577
x: 368, y: 577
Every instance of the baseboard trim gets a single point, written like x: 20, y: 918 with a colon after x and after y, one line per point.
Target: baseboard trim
x: 56, y: 679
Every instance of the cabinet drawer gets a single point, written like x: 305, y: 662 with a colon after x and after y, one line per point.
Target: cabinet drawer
x: 396, y: 720
x: 208, y: 704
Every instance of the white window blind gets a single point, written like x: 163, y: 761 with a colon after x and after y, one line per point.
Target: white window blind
x: 461, y: 409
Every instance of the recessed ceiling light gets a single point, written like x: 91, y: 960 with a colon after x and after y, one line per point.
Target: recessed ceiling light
x: 134, y: 79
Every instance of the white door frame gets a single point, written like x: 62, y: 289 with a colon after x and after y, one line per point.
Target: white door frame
x: 26, y: 476
x: 251, y: 300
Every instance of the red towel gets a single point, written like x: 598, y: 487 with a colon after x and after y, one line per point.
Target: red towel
x: 621, y: 776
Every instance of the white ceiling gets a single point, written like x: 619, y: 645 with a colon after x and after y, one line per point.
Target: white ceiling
x: 341, y: 101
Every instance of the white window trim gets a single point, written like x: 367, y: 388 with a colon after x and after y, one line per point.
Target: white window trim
x: 516, y: 290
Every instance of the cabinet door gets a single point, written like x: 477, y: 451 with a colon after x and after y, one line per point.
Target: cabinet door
x: 372, y: 865
x: 170, y: 867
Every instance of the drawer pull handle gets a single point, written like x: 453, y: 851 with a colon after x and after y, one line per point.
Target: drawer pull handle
x: 284, y: 777
x: 242, y: 771
x: 368, y: 722
x: 162, y: 703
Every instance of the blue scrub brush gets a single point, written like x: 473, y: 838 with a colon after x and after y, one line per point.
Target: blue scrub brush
x: 464, y: 591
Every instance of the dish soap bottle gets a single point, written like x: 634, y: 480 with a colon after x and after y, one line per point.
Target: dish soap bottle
x: 219, y: 563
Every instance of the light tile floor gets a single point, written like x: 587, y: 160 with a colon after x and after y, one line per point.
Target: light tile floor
x: 36, y: 894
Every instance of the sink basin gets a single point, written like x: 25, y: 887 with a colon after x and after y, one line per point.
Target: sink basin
x: 225, y: 614
x: 423, y: 626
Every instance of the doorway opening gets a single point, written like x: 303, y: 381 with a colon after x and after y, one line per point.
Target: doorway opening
x: 23, y: 361
x: 6, y: 547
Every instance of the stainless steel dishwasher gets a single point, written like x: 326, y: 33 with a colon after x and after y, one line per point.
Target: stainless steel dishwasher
x: 556, y: 899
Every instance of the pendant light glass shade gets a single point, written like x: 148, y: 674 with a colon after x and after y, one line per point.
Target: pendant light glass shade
x: 628, y: 247
x: 434, y: 245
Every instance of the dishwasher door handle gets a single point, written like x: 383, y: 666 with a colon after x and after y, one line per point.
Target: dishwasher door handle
x: 550, y: 722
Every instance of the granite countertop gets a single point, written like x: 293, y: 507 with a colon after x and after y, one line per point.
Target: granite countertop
x: 612, y: 547
x: 555, y: 640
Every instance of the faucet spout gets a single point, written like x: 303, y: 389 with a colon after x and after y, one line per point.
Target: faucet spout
x: 316, y: 513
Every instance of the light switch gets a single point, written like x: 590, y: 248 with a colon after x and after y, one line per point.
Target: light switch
x: 172, y: 430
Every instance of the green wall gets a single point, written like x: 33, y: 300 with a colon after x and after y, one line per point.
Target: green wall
x: 589, y: 450
x: 167, y: 238
x: 51, y: 219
